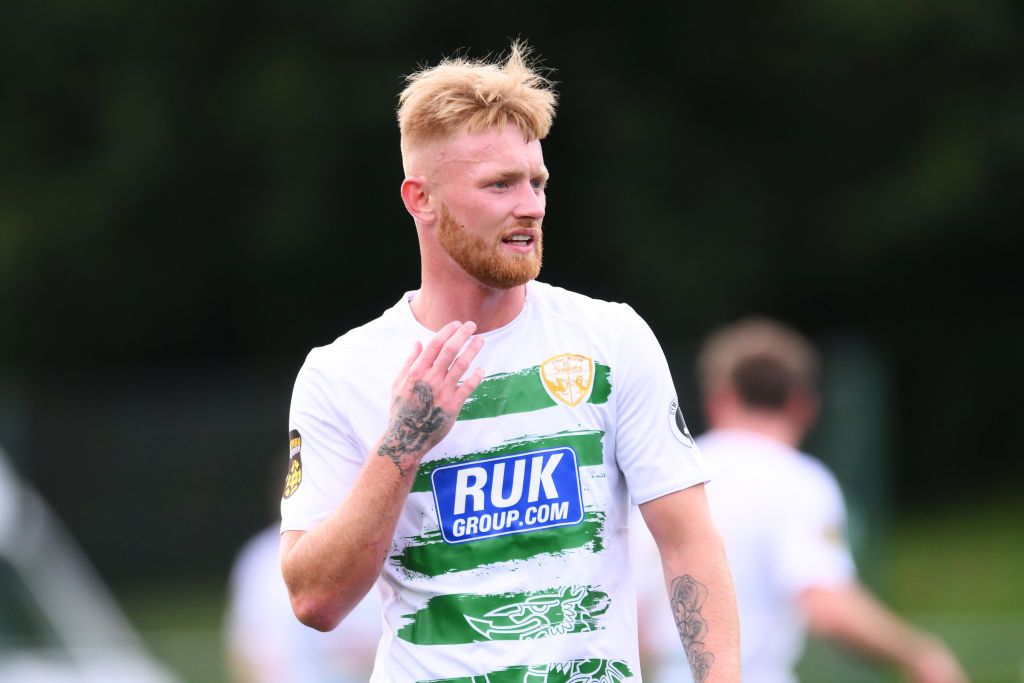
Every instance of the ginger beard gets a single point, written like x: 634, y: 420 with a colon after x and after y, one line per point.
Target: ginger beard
x: 485, y: 260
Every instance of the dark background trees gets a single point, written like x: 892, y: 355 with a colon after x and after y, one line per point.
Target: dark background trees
x: 194, y: 194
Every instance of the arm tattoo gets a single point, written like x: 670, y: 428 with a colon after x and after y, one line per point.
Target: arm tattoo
x: 687, y: 598
x: 414, y: 421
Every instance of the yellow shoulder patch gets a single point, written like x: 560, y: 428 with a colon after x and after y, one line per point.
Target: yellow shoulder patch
x: 294, y: 478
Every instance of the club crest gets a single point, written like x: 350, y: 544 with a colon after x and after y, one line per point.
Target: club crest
x: 568, y: 378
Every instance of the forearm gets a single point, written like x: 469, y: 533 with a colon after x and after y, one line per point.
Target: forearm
x: 700, y: 589
x: 854, y: 618
x: 703, y: 605
x: 331, y: 567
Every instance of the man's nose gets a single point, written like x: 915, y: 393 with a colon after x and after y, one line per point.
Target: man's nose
x: 530, y: 202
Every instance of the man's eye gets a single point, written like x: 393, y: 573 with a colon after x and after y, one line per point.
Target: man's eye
x: 501, y: 184
x: 538, y: 184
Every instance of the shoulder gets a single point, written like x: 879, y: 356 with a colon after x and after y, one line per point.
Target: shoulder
x: 259, y: 551
x: 819, y: 489
x: 579, y: 308
x: 753, y: 456
x: 818, y: 479
x: 353, y: 347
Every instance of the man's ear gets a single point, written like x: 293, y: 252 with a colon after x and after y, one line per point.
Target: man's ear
x: 805, y: 409
x: 719, y: 404
x: 416, y: 197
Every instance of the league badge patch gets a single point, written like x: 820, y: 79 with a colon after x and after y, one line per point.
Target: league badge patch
x: 510, y: 494
x: 678, y: 425
x: 294, y: 478
x: 568, y: 378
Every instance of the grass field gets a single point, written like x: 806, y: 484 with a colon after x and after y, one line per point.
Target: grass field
x: 957, y: 572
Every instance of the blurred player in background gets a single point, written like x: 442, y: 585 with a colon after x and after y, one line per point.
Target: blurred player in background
x: 263, y: 642
x: 266, y: 644
x: 783, y: 519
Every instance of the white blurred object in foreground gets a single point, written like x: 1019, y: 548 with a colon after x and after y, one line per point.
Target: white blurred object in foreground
x: 58, y: 621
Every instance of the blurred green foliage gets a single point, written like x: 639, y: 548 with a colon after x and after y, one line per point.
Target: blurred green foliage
x: 194, y: 184
x: 961, y: 559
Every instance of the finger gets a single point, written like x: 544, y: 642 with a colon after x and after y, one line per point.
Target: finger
x: 433, y: 347
x: 469, y: 386
x: 464, y: 359
x: 452, y: 347
x: 417, y: 348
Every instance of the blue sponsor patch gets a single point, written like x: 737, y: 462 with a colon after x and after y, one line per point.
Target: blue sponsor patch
x: 510, y: 494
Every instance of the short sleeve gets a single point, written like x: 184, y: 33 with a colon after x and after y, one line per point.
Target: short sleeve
x: 653, y: 446
x: 813, y: 548
x: 324, y: 457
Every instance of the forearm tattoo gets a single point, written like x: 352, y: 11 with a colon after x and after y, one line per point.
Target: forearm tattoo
x: 687, y: 599
x: 414, y: 421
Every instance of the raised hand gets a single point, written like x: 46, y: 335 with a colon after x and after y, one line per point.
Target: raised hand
x: 936, y: 664
x: 427, y: 395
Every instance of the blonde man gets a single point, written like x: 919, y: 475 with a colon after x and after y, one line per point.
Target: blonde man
x: 490, y: 507
x: 783, y: 518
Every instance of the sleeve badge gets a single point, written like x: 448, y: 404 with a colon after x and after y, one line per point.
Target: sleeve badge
x: 678, y: 425
x: 294, y: 478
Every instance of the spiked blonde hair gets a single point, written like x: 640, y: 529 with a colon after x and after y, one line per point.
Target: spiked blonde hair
x: 463, y: 95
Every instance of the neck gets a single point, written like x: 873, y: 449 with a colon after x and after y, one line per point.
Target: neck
x: 464, y: 299
x: 762, y: 423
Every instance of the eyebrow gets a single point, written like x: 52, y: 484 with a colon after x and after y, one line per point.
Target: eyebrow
x: 512, y: 175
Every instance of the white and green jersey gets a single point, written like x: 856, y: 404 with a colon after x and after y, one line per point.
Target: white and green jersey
x: 510, y: 559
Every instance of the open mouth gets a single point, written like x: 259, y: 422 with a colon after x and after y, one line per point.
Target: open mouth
x: 519, y: 239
